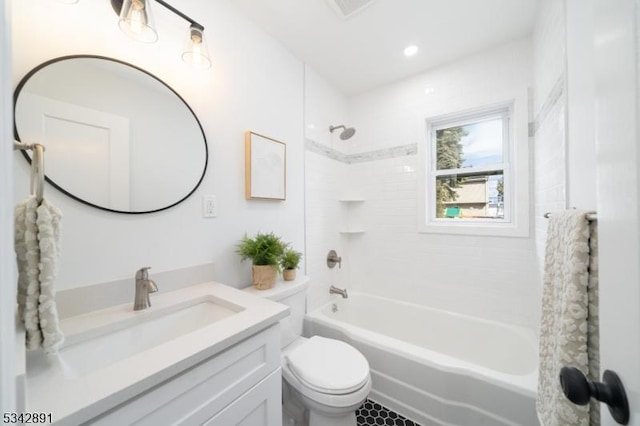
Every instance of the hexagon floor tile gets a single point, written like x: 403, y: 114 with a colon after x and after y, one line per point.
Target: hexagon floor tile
x: 373, y: 414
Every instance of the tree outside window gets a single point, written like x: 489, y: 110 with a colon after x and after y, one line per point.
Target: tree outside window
x: 469, y: 170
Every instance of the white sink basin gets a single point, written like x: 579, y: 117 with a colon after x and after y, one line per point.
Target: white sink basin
x: 113, y: 354
x: 131, y: 332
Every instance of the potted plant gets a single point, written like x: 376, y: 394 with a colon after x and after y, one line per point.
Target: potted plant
x: 265, y: 252
x: 289, y: 262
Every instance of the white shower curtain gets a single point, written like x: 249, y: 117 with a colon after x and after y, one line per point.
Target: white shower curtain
x: 37, y: 241
x: 569, y: 322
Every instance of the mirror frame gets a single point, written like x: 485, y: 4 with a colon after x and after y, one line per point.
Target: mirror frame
x: 16, y: 136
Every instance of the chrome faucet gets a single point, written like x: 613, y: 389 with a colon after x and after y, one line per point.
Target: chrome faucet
x: 340, y: 291
x: 144, y: 286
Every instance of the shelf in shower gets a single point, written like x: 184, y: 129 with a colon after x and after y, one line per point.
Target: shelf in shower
x: 352, y: 231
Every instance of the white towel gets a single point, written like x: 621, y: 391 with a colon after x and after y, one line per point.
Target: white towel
x: 37, y: 240
x: 569, y: 321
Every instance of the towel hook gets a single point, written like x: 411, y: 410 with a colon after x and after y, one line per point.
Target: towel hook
x: 36, y: 185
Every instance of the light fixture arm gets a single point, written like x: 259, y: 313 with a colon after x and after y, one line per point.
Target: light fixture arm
x: 180, y: 14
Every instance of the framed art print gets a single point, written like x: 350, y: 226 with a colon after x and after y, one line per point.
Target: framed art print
x: 265, y: 167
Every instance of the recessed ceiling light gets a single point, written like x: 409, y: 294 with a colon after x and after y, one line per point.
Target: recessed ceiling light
x: 410, y: 50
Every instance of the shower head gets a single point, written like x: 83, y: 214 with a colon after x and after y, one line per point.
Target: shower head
x: 346, y: 133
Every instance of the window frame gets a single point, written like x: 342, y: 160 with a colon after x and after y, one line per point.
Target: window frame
x: 514, y: 166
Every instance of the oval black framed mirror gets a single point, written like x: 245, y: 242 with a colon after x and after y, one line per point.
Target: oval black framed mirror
x: 117, y: 137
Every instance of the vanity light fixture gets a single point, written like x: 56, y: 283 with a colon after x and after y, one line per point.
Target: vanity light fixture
x: 136, y: 20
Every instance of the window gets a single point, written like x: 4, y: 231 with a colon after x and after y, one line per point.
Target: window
x: 470, y: 167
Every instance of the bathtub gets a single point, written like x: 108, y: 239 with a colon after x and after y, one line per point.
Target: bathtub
x: 434, y: 366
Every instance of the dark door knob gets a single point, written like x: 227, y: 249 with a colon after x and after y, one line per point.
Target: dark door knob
x: 579, y: 390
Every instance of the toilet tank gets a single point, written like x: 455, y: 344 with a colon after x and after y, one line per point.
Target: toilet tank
x: 290, y: 293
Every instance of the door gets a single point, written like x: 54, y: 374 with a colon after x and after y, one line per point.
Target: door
x: 99, y: 138
x: 618, y: 192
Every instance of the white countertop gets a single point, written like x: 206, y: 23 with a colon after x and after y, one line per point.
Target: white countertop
x: 281, y: 289
x: 74, y: 398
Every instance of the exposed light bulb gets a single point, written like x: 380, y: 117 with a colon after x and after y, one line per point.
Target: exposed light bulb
x: 136, y: 20
x: 196, y: 52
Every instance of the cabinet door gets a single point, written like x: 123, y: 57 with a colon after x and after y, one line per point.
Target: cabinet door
x: 194, y: 395
x: 260, y: 406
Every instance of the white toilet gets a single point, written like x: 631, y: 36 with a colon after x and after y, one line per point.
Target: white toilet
x: 324, y: 380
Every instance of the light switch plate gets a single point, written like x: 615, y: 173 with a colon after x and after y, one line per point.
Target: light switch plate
x: 209, y: 206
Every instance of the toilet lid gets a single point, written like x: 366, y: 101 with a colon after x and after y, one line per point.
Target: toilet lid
x: 328, y: 366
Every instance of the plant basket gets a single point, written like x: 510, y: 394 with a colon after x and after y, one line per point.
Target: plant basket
x: 289, y: 274
x: 264, y: 276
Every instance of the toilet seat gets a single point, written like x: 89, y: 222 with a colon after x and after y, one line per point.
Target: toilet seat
x: 328, y: 366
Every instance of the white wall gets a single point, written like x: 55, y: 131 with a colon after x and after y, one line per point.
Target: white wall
x: 324, y: 106
x: 254, y: 84
x: 581, y: 110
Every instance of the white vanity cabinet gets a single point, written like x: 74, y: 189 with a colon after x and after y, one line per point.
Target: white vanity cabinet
x: 239, y: 386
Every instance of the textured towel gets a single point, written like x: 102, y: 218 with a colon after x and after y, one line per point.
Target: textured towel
x: 569, y: 322
x: 37, y: 240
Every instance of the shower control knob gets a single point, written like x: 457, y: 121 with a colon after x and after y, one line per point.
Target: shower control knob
x: 579, y: 390
x: 333, y: 259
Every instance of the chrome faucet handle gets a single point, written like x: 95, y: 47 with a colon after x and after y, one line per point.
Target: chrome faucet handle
x: 333, y: 259
x: 142, y: 273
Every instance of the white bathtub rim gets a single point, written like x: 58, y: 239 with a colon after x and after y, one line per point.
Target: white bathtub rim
x: 525, y: 384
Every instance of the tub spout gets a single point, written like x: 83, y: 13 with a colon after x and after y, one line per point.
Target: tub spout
x: 341, y: 291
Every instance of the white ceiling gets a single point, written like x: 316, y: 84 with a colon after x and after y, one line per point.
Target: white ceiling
x: 366, y: 50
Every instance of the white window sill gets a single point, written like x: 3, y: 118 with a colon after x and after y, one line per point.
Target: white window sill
x: 503, y: 229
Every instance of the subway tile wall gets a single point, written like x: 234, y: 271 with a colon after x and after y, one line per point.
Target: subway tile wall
x: 550, y: 125
x: 325, y: 181
x: 489, y: 277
